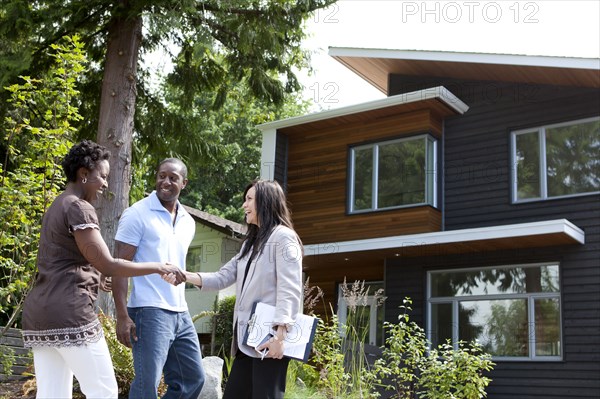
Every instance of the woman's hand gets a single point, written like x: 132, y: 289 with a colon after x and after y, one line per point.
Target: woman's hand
x: 192, y: 278
x: 274, y: 347
x: 275, y: 344
x: 105, y: 283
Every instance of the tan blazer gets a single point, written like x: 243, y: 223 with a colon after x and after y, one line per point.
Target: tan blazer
x: 274, y: 277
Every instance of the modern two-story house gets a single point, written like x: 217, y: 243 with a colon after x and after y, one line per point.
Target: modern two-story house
x: 473, y: 189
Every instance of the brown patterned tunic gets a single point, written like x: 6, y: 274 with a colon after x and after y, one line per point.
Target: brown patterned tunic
x: 59, y: 310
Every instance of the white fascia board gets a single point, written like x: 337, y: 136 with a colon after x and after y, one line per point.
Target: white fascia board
x: 448, y: 237
x: 267, y: 157
x: 476, y: 58
x: 439, y: 92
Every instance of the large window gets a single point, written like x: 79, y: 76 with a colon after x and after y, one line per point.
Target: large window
x: 392, y: 174
x: 512, y: 311
x: 556, y: 160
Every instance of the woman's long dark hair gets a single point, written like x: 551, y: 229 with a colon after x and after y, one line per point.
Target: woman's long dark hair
x: 272, y: 211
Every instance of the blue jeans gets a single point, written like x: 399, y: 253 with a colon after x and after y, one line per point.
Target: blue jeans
x: 166, y: 342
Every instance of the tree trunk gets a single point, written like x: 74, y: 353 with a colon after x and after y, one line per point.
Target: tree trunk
x: 115, y: 127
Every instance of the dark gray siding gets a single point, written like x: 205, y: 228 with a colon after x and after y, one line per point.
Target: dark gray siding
x: 476, y: 156
x: 477, y: 193
x: 577, y: 376
x: 281, y: 156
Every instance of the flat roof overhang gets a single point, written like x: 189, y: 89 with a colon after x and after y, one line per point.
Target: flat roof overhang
x: 375, y: 66
x: 482, y: 239
x: 437, y: 99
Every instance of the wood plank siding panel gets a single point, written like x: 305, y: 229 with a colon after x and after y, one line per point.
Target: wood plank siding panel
x: 317, y: 180
x: 477, y: 175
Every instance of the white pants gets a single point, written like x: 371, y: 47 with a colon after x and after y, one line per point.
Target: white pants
x: 91, y: 364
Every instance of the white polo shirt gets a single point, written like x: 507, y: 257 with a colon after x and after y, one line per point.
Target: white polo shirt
x: 147, y: 225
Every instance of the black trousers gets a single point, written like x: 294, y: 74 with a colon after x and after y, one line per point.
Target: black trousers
x: 252, y: 378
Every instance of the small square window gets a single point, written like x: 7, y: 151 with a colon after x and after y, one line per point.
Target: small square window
x: 393, y: 174
x: 556, y: 160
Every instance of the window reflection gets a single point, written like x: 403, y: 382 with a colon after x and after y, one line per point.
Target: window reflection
x: 496, y: 281
x: 500, y: 326
x: 363, y: 178
x: 401, y: 174
x: 557, y: 160
x: 441, y: 329
x: 572, y: 161
x: 547, y: 327
x: 512, y: 311
x: 528, y: 165
x: 393, y: 173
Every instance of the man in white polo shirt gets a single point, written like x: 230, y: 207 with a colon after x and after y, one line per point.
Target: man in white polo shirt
x: 155, y: 322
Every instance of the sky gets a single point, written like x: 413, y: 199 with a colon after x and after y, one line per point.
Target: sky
x: 542, y: 27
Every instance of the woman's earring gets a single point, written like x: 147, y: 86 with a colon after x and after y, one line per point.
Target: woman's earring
x: 84, y: 180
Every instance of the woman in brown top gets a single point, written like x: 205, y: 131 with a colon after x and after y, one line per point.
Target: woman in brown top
x: 59, y: 320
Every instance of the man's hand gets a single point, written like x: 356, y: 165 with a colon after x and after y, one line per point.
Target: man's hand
x: 172, y: 270
x: 126, y: 331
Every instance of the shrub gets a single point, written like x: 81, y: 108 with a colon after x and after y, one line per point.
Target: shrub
x: 36, y: 134
x: 455, y: 373
x: 7, y: 359
x: 409, y: 368
x: 328, y: 359
x: 222, y: 326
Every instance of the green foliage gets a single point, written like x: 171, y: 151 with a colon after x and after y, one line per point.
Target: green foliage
x: 455, y: 373
x: 355, y: 334
x: 338, y: 365
x: 225, y: 67
x: 302, y: 382
x: 228, y: 360
x: 405, y: 348
x: 301, y: 375
x: 328, y: 358
x: 15, y: 51
x: 230, y: 142
x: 222, y: 324
x: 410, y: 368
x: 303, y: 378
x: 214, y: 53
x: 7, y: 359
x: 36, y: 134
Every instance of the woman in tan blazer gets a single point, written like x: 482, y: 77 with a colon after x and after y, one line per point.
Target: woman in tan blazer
x: 267, y: 269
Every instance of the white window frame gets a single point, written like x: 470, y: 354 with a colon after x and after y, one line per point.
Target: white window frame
x: 531, y: 297
x: 541, y: 131
x: 430, y: 175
